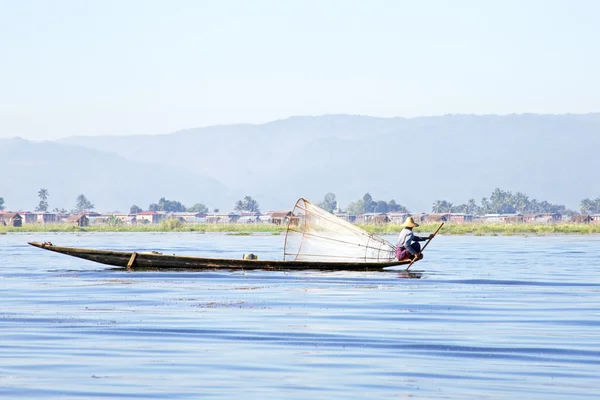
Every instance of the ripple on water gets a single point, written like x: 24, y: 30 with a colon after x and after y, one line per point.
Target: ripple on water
x: 501, y: 317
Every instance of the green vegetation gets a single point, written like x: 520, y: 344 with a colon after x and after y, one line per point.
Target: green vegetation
x: 368, y: 205
x: 170, y: 225
x: 501, y: 202
x: 43, y: 195
x: 590, y: 206
x: 247, y: 204
x: 167, y: 205
x: 174, y: 225
x: 198, y: 208
x: 82, y: 204
x: 329, y: 203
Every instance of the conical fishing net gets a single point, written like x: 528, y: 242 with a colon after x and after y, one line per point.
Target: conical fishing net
x: 314, y: 234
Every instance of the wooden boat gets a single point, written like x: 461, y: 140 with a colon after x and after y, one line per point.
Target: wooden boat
x: 155, y: 260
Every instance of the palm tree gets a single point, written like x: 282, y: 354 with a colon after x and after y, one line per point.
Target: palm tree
x: 471, y: 206
x: 43, y: 194
x: 239, y: 205
x: 82, y: 204
x: 521, y: 202
x: 587, y: 206
x: 485, y: 206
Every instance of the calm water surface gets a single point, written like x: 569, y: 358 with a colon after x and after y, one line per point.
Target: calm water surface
x: 488, y: 317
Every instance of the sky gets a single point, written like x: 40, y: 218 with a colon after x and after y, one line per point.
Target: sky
x: 72, y: 67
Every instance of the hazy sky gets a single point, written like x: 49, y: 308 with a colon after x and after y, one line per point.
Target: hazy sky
x: 76, y: 67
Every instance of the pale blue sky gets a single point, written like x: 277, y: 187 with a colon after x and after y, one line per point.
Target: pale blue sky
x: 77, y: 67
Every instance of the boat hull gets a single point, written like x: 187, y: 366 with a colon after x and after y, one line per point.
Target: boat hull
x: 154, y: 260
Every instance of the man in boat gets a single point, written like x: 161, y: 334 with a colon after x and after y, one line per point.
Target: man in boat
x: 408, y: 246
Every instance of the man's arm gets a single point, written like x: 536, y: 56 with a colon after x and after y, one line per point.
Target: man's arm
x: 422, y: 238
x: 407, y: 245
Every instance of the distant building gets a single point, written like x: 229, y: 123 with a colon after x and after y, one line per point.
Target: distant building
x: 150, y: 217
x: 503, y: 218
x: 542, y: 218
x: 28, y: 217
x: 280, y: 217
x: 461, y: 218
x: 342, y: 215
x: 78, y: 220
x: 11, y: 219
x: 46, y: 218
x: 581, y: 218
x: 398, y: 217
x: 188, y: 217
x: 439, y: 217
x: 222, y: 218
x: 373, y: 218
x: 248, y: 219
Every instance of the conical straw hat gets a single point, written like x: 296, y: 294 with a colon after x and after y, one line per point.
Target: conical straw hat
x: 410, y: 223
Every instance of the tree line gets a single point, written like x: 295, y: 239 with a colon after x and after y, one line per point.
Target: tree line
x: 82, y: 204
x: 501, y: 202
x: 247, y: 204
x: 362, y: 206
x: 589, y: 206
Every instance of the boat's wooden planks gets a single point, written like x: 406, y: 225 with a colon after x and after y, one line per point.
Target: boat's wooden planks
x: 165, y: 261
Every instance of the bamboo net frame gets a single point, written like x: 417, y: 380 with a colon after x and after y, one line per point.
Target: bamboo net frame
x: 314, y: 234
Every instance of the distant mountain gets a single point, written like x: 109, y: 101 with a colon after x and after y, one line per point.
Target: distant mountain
x: 109, y: 181
x: 414, y: 161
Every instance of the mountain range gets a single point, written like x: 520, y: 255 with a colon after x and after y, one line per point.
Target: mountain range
x: 414, y: 161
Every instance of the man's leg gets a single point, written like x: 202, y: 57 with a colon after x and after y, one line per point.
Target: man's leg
x: 416, y: 246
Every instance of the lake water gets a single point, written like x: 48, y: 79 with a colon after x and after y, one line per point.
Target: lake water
x: 489, y: 317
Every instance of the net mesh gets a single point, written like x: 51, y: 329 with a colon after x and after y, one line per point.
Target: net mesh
x: 314, y: 234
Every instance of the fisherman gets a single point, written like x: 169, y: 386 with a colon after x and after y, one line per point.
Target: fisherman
x: 408, y: 246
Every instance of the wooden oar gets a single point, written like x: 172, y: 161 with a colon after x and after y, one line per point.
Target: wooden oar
x: 434, y: 233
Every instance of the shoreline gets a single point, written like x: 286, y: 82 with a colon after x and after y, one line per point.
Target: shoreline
x: 242, y: 229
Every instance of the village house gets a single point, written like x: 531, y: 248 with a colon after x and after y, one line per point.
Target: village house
x: 373, y: 218
x: 78, y: 220
x: 99, y: 220
x: 279, y: 217
x: 440, y: 217
x: 28, y: 217
x: 342, y: 215
x: 542, y: 218
x: 11, y: 219
x: 126, y: 219
x: 595, y: 218
x: 248, y: 219
x: 45, y: 218
x: 461, y: 218
x: 503, y: 218
x: 150, y: 217
x: 188, y: 217
x: 222, y: 218
x: 397, y: 217
x: 581, y: 218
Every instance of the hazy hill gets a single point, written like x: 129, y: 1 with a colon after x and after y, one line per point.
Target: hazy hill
x: 109, y: 181
x: 415, y: 161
